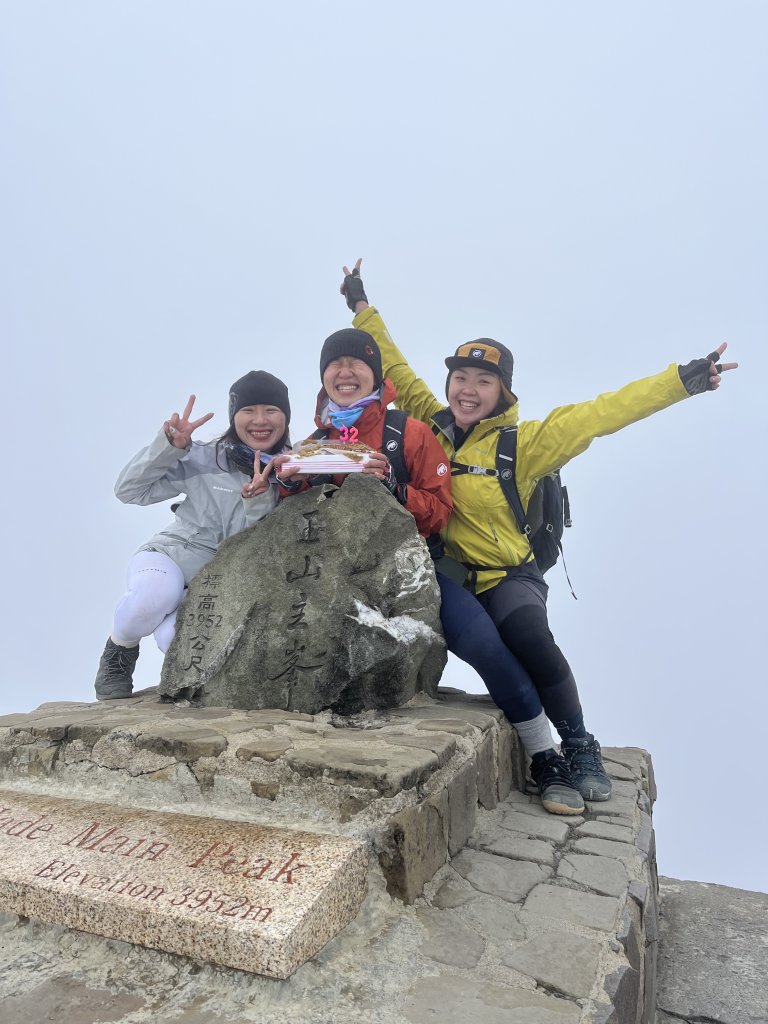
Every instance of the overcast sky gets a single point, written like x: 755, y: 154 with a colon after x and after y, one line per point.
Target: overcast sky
x: 180, y: 184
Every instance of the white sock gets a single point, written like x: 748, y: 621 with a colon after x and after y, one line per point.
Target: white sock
x: 535, y: 734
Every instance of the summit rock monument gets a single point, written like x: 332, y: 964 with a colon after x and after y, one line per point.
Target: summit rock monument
x: 329, y: 603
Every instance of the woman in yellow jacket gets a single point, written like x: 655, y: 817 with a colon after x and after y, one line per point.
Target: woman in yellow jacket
x: 482, y: 532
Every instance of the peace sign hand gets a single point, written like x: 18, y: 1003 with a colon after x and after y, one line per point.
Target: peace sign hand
x: 702, y: 375
x: 716, y: 368
x: 261, y: 481
x: 352, y: 288
x: 179, y: 429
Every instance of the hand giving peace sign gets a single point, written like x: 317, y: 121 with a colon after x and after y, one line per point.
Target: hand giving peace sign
x: 178, y: 429
x: 261, y: 481
x: 716, y: 368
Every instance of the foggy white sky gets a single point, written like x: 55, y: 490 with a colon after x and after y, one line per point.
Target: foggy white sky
x: 180, y: 184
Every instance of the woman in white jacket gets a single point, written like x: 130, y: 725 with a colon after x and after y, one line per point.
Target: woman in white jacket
x: 228, y: 484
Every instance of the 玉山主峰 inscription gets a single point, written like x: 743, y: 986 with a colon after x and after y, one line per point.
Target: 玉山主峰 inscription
x: 296, y: 658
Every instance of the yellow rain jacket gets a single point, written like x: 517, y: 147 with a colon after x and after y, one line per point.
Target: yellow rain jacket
x: 482, y: 529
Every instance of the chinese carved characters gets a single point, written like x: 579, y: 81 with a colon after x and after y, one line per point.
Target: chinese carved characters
x: 330, y: 602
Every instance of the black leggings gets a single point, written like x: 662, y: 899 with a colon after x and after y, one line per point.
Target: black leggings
x: 518, y: 607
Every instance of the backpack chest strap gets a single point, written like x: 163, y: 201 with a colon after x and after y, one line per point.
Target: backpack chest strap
x: 459, y: 469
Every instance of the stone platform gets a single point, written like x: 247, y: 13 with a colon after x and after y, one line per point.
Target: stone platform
x: 480, y: 905
x: 407, y: 781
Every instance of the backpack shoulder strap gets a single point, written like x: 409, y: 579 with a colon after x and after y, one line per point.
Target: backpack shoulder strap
x: 393, y: 443
x: 506, y: 464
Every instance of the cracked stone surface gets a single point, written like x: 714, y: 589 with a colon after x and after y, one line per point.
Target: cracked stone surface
x: 561, y: 960
x: 602, y: 874
x: 499, y: 876
x: 623, y: 852
x: 536, y: 827
x: 459, y: 1000
x: 604, y: 830
x: 574, y: 907
x: 518, y: 847
x: 449, y: 940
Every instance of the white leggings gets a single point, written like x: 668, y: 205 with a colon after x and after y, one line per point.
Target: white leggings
x: 155, y: 589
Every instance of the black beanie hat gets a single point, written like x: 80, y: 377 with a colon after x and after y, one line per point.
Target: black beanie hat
x: 486, y: 354
x: 259, y: 388
x: 354, y: 343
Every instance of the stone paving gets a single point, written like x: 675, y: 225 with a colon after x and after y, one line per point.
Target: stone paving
x: 516, y: 916
x: 407, y: 781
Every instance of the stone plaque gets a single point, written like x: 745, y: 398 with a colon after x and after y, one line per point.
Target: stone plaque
x: 249, y: 896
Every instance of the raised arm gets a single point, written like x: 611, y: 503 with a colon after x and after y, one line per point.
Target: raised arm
x: 156, y: 473
x: 548, y: 444
x: 413, y: 395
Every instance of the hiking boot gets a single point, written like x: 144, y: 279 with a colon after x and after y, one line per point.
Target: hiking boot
x: 583, y: 756
x: 114, y: 680
x: 552, y: 776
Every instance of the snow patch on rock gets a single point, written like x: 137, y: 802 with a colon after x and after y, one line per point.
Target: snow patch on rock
x: 402, y: 627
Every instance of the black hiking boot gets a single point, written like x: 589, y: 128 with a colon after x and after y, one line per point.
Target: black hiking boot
x: 552, y: 776
x: 589, y: 776
x: 114, y: 680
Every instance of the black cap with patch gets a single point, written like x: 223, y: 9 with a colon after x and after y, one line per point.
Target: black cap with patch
x: 486, y: 354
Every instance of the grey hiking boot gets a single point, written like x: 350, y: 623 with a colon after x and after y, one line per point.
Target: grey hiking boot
x: 552, y: 776
x: 589, y: 776
x: 114, y: 680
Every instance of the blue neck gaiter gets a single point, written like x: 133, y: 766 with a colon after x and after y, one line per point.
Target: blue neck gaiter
x: 346, y: 416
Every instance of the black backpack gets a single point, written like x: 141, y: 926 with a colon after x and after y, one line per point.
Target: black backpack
x: 549, y: 510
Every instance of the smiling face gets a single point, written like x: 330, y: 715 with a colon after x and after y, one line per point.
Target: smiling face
x: 347, y: 379
x: 473, y: 394
x: 260, y: 426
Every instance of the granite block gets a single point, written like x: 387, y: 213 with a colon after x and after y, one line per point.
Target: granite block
x: 415, y: 847
x: 249, y: 896
x: 462, y: 806
x: 389, y: 769
x: 486, y: 774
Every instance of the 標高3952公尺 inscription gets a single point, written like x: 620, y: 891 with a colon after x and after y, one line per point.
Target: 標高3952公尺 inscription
x: 245, y: 895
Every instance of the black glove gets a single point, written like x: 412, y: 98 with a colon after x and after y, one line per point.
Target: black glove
x: 353, y: 290
x: 695, y: 375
